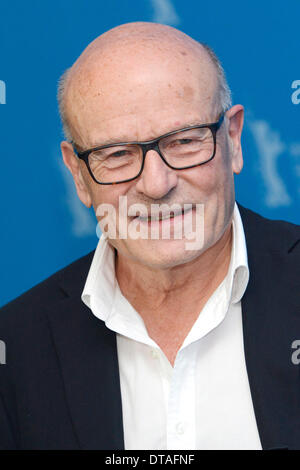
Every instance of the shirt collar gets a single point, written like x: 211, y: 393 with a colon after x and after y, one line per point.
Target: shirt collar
x: 238, y: 272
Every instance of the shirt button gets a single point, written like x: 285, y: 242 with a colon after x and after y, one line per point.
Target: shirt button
x: 154, y: 353
x: 179, y: 428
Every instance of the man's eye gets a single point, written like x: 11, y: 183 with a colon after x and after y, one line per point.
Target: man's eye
x: 185, y: 141
x: 103, y: 155
x: 119, y: 153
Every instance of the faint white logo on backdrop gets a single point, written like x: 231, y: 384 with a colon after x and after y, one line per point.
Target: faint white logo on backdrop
x: 164, y: 12
x: 270, y: 147
x: 2, y: 92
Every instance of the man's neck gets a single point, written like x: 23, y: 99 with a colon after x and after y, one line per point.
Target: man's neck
x: 169, y: 301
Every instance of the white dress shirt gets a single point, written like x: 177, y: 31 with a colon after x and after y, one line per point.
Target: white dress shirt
x: 204, y: 401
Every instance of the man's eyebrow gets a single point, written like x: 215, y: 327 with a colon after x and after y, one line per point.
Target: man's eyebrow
x: 98, y: 144
x: 197, y: 122
x: 109, y: 142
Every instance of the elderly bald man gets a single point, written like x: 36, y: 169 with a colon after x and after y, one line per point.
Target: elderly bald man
x: 147, y: 343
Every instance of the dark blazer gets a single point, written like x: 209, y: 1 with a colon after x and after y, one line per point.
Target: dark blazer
x: 60, y: 387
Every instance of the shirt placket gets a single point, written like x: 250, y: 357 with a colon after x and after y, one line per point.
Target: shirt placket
x: 181, y: 424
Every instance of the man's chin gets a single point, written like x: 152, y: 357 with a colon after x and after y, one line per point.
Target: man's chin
x: 160, y: 254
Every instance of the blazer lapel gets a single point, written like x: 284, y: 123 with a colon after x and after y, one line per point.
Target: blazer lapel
x: 87, y: 355
x: 271, y: 322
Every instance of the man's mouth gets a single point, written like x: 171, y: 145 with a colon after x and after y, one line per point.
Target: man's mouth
x: 163, y: 216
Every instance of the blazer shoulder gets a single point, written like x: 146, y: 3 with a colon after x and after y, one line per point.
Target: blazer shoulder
x: 28, y: 307
x: 277, y: 234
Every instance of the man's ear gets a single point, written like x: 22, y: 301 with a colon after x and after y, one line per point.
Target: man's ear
x: 73, y: 164
x: 235, y: 116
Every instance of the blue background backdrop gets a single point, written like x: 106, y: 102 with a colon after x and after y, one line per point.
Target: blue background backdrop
x: 43, y: 224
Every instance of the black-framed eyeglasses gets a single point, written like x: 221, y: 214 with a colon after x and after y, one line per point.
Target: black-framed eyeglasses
x: 124, y: 161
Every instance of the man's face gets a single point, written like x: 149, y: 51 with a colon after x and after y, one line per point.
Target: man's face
x: 138, y: 97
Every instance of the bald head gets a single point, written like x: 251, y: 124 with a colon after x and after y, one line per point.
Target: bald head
x: 125, y: 57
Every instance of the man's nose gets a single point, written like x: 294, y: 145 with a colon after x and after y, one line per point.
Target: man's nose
x: 157, y: 179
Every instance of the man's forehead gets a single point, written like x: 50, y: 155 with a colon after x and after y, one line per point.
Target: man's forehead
x: 140, y: 35
x: 118, y: 70
x: 128, y: 43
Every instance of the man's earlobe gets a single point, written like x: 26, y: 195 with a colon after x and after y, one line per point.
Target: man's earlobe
x: 237, y: 167
x: 73, y: 164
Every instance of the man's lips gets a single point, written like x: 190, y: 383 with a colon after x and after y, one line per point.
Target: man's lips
x: 160, y: 216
